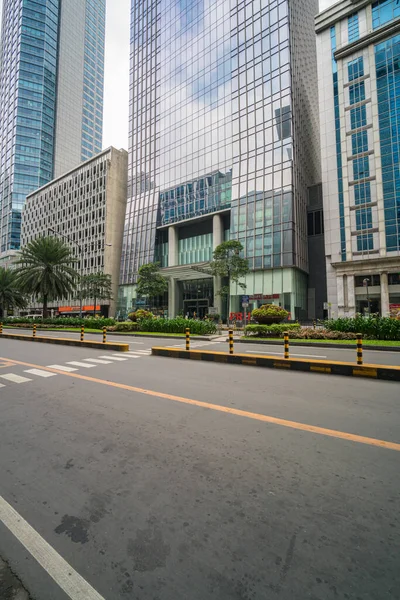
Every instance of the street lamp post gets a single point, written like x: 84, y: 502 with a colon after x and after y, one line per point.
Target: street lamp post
x: 67, y: 237
x: 366, y: 282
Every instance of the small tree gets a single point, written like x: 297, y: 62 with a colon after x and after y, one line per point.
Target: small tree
x: 97, y: 286
x: 150, y: 282
x: 10, y: 294
x: 44, y: 269
x: 229, y: 264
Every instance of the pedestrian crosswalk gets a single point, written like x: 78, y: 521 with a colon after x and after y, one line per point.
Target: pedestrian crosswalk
x: 72, y: 366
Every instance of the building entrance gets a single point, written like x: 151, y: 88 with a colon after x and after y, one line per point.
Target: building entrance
x: 196, y: 308
x: 198, y: 296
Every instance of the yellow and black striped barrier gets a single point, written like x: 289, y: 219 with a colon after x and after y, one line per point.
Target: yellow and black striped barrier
x: 34, y: 331
x: 330, y: 367
x: 230, y: 341
x: 1, y: 328
x: 187, y: 340
x: 104, y: 335
x: 82, y: 333
x: 286, y: 336
x: 359, y: 349
x: 117, y: 347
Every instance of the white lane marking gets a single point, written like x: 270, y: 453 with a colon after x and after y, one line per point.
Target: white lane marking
x: 141, y: 352
x: 131, y: 355
x: 75, y: 363
x: 62, y: 368
x: 113, y: 358
x: 57, y: 567
x: 1, y: 385
x: 281, y: 354
x: 15, y: 378
x: 97, y: 361
x: 40, y: 373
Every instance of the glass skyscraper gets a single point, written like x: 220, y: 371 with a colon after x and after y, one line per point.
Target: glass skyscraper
x: 359, y: 78
x: 223, y: 145
x: 51, y: 98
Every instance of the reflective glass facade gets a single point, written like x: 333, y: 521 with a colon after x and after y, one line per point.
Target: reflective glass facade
x: 30, y: 114
x: 387, y: 60
x: 384, y: 11
x: 28, y: 72
x: 93, y: 78
x: 223, y: 116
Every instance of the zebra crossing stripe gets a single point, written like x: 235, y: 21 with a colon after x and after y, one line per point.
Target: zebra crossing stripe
x: 74, y: 363
x: 62, y: 368
x: 40, y: 373
x: 15, y: 378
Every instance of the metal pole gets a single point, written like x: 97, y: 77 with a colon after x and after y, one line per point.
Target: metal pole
x: 187, y: 340
x: 286, y: 334
x: 80, y: 285
x: 359, y: 349
x: 230, y: 341
x: 368, y: 300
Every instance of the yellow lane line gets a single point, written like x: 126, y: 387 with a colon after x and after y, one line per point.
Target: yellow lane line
x: 341, y: 435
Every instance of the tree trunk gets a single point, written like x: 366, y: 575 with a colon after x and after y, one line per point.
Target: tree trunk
x: 45, y: 309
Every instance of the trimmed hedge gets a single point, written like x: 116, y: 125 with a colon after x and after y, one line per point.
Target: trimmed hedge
x: 269, y: 311
x: 140, y: 314
x: 177, y: 325
x: 373, y: 327
x: 60, y: 323
x: 124, y: 326
x: 274, y: 330
x: 309, y: 333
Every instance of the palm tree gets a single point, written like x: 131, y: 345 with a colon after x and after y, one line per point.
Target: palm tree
x: 45, y: 270
x: 10, y: 294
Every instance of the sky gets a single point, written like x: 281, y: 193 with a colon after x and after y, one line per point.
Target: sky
x: 116, y: 83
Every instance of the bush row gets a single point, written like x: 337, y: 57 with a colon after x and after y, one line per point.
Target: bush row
x: 374, y: 327
x: 177, y: 325
x: 60, y: 323
x: 274, y: 330
x: 309, y: 333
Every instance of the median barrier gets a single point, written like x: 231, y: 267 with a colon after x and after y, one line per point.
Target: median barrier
x: 330, y: 367
x: 117, y: 347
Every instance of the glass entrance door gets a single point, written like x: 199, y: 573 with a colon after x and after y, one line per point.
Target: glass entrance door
x: 196, y: 308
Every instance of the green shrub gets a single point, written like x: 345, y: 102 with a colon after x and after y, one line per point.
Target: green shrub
x: 309, y: 333
x: 269, y: 313
x: 141, y: 313
x: 372, y: 327
x: 124, y: 326
x: 61, y: 322
x: 273, y: 330
x: 177, y: 325
x: 213, y: 317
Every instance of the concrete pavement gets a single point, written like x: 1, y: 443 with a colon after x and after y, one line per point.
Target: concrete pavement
x: 147, y: 495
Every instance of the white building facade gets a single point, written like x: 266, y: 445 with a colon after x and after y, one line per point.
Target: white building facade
x: 86, y: 208
x: 358, y: 49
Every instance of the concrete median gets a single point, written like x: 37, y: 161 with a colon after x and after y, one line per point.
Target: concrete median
x: 117, y: 347
x: 330, y: 367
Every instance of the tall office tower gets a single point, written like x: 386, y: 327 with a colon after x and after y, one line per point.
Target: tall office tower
x: 359, y: 88
x: 51, y: 98
x: 224, y: 144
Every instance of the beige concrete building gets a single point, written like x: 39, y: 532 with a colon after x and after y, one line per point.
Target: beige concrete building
x: 85, y: 207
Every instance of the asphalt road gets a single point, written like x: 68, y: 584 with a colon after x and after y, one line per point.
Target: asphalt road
x: 343, y: 353
x: 157, y: 479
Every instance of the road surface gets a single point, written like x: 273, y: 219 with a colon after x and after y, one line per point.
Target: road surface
x: 147, y: 478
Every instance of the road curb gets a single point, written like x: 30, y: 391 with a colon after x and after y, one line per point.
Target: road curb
x: 320, y: 345
x: 67, y: 342
x: 330, y: 367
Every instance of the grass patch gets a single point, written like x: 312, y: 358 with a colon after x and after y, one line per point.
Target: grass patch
x: 336, y: 342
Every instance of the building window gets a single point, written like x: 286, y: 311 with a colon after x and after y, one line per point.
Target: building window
x: 384, y: 11
x: 362, y: 193
x: 374, y: 280
x: 357, y: 92
x: 355, y: 68
x: 359, y: 142
x: 361, y: 168
x: 358, y: 117
x: 353, y: 28
x: 315, y: 222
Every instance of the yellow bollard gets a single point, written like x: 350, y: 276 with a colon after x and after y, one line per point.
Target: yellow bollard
x: 34, y: 331
x: 104, y: 335
x: 1, y: 328
x: 230, y: 341
x: 286, y: 334
x: 188, y: 339
x: 82, y: 333
x: 359, y: 349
